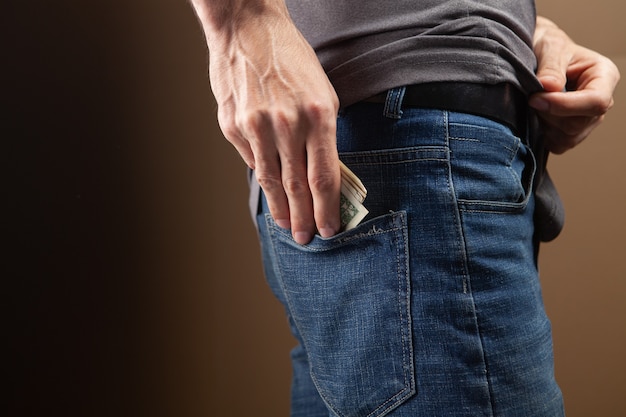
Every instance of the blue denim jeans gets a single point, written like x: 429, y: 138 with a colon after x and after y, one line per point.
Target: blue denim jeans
x: 432, y: 306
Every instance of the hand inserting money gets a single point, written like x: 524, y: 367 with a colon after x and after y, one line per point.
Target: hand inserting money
x: 353, y: 194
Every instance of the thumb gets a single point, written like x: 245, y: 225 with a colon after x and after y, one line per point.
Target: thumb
x: 551, y: 73
x: 553, y: 59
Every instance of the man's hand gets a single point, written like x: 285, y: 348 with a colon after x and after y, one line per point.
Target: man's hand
x: 578, y: 87
x: 278, y: 108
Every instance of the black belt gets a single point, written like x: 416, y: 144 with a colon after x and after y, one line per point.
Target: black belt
x: 501, y: 102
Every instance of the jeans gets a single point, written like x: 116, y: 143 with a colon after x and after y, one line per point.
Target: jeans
x: 432, y: 305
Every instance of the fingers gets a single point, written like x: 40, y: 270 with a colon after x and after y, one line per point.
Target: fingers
x: 323, y: 171
x: 310, y: 171
x: 570, y: 117
x: 257, y: 129
x: 296, y: 164
x: 268, y: 175
x: 588, y: 103
x: 293, y: 160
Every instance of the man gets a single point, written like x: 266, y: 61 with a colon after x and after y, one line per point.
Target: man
x: 431, y: 306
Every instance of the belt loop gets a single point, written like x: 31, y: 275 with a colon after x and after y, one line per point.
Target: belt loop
x: 393, y: 103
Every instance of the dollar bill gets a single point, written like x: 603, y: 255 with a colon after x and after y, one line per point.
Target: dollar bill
x: 353, y: 193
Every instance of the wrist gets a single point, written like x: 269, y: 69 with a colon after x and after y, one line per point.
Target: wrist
x: 222, y: 19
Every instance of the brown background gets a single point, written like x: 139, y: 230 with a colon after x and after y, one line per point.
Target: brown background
x: 133, y: 284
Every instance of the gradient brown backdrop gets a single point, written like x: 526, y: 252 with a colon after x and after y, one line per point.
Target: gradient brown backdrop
x: 133, y: 284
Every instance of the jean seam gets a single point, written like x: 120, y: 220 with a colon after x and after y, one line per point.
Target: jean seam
x: 457, y: 215
x: 407, y: 344
x: 467, y: 287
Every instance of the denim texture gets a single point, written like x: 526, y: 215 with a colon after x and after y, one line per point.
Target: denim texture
x: 432, y: 306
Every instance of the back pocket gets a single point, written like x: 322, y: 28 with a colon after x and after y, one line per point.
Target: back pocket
x: 349, y: 297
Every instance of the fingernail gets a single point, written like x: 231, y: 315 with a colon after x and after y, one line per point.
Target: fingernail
x: 327, y: 232
x: 284, y: 223
x: 302, y: 237
x: 539, y: 104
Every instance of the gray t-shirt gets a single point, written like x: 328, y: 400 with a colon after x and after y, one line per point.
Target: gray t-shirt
x: 367, y: 47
